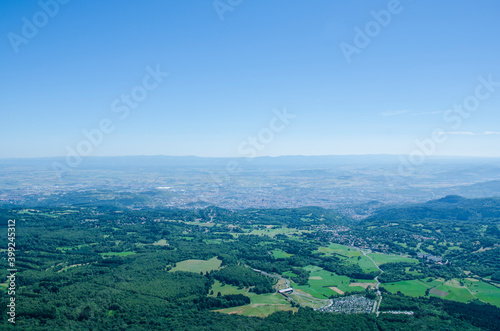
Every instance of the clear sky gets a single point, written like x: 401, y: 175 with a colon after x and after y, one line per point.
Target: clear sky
x: 354, y: 84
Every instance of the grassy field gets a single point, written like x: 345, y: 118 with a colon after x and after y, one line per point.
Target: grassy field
x: 321, y: 280
x: 261, y: 305
x: 414, y: 288
x: 455, y: 291
x: 226, y: 289
x: 198, y: 266
x: 414, y: 273
x: 484, y: 291
x: 339, y: 249
x: 364, y: 262
x: 385, y: 258
x: 356, y: 257
x: 450, y: 290
x: 279, y: 254
x: 289, y: 274
x: 312, y: 268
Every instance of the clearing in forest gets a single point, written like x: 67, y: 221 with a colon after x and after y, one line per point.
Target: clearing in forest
x: 198, y: 266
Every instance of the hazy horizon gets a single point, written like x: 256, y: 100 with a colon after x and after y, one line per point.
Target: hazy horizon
x: 435, y: 156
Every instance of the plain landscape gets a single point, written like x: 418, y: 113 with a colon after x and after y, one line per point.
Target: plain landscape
x: 140, y: 239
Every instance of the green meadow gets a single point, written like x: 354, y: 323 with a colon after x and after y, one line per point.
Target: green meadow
x: 484, y: 291
x: 280, y: 254
x: 197, y: 266
x: 385, y: 258
x: 450, y: 290
x: 364, y: 262
x: 339, y: 250
x: 414, y: 288
x: 321, y: 280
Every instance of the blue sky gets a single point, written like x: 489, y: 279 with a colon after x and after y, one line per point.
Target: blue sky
x: 228, y: 77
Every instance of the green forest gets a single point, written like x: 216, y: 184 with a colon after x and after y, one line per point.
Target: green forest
x: 109, y: 268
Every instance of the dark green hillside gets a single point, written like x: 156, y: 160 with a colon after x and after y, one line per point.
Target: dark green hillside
x: 451, y: 207
x: 106, y: 268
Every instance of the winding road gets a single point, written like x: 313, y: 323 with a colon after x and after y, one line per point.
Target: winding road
x: 377, y: 305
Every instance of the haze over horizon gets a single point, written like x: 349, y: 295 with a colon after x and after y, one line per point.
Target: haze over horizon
x: 384, y: 155
x: 260, y: 79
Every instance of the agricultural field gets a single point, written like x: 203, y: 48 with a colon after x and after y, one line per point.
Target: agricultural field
x: 197, y: 266
x: 484, y: 291
x: 364, y: 262
x: 470, y: 289
x: 414, y: 288
x: 322, y: 284
x: 385, y: 258
x: 355, y: 256
x: 339, y: 250
x: 452, y: 290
